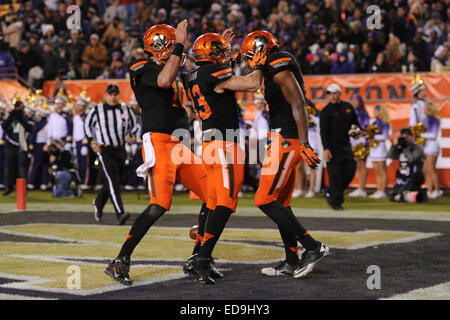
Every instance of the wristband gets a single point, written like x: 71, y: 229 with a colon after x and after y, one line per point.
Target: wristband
x: 178, y: 49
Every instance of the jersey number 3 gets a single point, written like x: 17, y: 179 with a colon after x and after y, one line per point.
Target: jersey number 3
x: 199, y: 102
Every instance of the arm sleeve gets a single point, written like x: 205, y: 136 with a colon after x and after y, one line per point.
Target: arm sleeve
x: 215, y: 74
x: 132, y: 124
x: 89, y: 122
x: 144, y: 74
x: 324, y: 128
x: 384, y: 135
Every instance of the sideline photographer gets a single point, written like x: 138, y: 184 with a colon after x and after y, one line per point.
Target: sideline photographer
x: 16, y: 128
x: 409, y: 176
x: 62, y: 172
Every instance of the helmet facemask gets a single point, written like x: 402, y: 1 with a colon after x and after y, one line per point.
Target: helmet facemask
x: 162, y: 46
x: 260, y: 44
x: 220, y: 53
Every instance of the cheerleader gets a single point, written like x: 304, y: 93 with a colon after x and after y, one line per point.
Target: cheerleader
x: 378, y: 150
x: 361, y: 170
x: 417, y: 113
x: 313, y: 138
x: 431, y: 149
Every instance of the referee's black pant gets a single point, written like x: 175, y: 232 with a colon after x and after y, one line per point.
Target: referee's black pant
x: 340, y: 173
x: 112, y: 161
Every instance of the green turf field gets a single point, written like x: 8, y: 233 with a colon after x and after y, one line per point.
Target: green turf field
x: 140, y: 198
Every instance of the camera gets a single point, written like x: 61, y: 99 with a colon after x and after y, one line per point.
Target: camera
x: 402, y: 142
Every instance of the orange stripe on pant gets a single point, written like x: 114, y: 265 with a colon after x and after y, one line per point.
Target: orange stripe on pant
x: 224, y: 164
x: 173, y: 161
x: 279, y: 171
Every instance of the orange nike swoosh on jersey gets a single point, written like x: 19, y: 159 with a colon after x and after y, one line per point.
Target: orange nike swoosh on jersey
x: 137, y: 64
x: 274, y: 62
x: 218, y: 73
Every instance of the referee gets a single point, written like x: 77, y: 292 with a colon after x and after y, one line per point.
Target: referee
x: 107, y: 127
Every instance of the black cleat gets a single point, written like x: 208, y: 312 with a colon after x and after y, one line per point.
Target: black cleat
x: 214, y: 272
x: 334, y: 206
x: 199, y: 268
x: 118, y: 270
x: 97, y: 212
x: 282, y: 269
x: 309, y: 259
x: 123, y: 218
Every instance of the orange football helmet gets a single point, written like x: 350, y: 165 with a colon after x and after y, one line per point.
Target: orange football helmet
x: 158, y: 41
x: 257, y: 41
x: 212, y: 47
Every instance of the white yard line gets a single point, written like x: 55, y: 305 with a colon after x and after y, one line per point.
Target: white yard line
x: 437, y: 292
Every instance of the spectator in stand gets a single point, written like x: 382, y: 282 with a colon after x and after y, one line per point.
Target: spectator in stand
x: 118, y: 70
x: 30, y: 64
x: 48, y: 31
x: 131, y: 8
x: 441, y: 59
x: 115, y: 10
x: 112, y: 31
x: 367, y: 59
x: 6, y: 61
x: 393, y: 54
x: 74, y: 52
x: 380, y: 65
x: 12, y: 31
x: 51, y: 62
x: 92, y: 18
x: 143, y: 12
x: 342, y: 65
x: 413, y: 63
x: 114, y: 49
x: 94, y: 58
x: 34, y: 41
x: 414, y: 20
x: 378, y: 150
x: 431, y: 149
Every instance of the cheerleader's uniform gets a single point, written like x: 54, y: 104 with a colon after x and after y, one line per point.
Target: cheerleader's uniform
x: 431, y: 144
x: 379, y: 153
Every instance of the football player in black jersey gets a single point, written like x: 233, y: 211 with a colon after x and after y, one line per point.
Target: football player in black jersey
x: 284, y: 92
x: 157, y: 90
x: 211, y: 88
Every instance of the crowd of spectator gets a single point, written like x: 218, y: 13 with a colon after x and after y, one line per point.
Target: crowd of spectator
x: 327, y: 37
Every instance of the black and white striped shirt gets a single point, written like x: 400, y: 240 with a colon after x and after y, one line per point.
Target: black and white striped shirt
x: 110, y: 124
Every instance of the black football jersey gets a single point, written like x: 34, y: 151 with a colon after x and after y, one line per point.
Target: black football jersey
x: 280, y: 111
x: 160, y: 112
x: 216, y: 110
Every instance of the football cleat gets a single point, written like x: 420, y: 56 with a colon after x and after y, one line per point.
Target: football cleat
x: 97, y: 212
x: 282, y: 269
x: 214, y: 272
x: 118, y: 270
x: 309, y: 259
x: 123, y: 218
x: 199, y: 268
